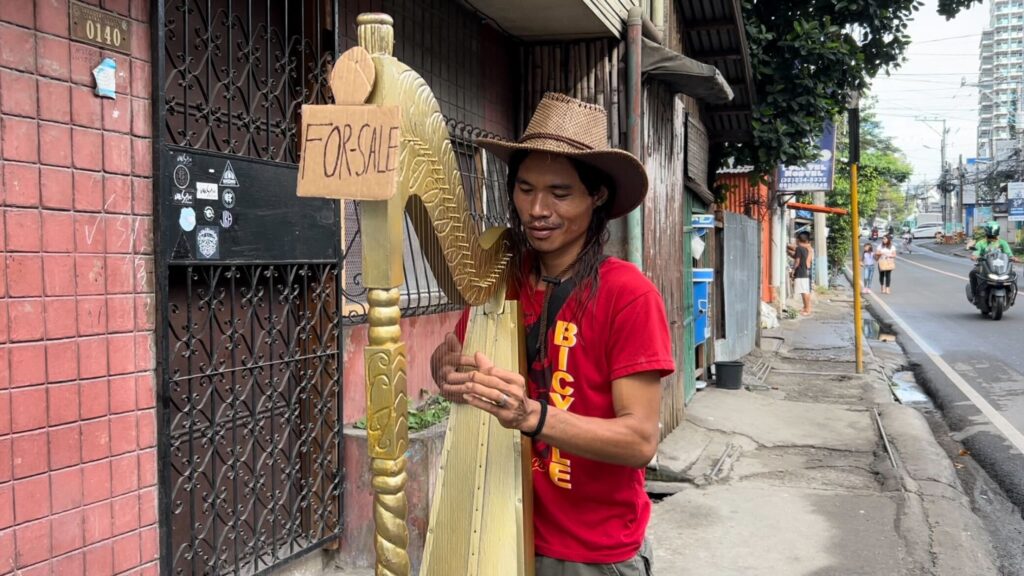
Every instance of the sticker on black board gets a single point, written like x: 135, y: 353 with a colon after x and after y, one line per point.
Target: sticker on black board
x: 182, y: 249
x: 226, y: 219
x: 208, y: 242
x: 187, y: 219
x: 184, y: 197
x: 209, y: 213
x: 228, y: 177
x: 181, y: 176
x: 206, y: 190
x: 228, y: 197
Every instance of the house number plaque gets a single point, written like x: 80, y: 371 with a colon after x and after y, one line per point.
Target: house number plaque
x: 100, y: 28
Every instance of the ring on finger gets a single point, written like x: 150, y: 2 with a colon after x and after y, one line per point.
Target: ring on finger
x: 503, y: 401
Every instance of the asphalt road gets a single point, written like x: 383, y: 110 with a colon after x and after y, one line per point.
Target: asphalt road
x: 972, y: 366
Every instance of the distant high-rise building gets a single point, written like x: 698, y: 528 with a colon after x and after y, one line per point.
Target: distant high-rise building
x: 1001, y: 77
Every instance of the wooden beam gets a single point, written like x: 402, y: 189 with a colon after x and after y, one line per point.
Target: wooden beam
x: 737, y: 12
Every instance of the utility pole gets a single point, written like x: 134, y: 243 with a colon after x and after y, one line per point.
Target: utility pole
x: 858, y: 318
x: 960, y: 215
x: 820, y: 242
x: 943, y: 185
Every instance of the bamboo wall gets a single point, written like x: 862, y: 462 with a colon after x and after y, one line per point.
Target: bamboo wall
x: 666, y: 263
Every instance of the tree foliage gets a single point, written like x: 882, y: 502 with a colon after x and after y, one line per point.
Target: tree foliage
x: 950, y: 8
x: 808, y: 56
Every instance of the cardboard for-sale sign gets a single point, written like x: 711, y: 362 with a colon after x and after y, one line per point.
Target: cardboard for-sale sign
x: 349, y: 152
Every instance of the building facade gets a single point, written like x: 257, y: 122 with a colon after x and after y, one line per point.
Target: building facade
x: 1001, y: 77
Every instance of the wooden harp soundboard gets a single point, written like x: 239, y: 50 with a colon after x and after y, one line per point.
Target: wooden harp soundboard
x: 481, y: 519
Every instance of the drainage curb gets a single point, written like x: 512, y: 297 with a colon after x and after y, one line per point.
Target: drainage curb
x: 987, y: 448
x: 957, y: 540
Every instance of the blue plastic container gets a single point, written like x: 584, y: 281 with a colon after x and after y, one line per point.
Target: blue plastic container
x: 702, y: 279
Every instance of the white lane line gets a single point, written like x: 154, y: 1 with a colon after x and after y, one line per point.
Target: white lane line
x: 1002, y: 424
x: 964, y: 278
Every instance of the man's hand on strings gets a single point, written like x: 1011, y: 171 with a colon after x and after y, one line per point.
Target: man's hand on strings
x: 446, y: 359
x: 495, y: 391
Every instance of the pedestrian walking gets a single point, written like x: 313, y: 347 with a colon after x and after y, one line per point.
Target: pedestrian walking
x: 606, y: 330
x: 867, y: 264
x: 886, y: 256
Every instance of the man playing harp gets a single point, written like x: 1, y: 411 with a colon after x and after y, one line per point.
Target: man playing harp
x: 597, y: 343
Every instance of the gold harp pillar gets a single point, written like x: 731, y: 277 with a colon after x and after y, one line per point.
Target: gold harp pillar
x: 387, y: 406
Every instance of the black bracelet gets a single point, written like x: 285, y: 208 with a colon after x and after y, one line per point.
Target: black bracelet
x: 540, y: 422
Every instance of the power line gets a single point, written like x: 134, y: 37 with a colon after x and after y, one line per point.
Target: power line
x: 898, y: 73
x: 931, y: 90
x: 895, y: 105
x: 909, y: 114
x: 946, y: 39
x: 954, y: 54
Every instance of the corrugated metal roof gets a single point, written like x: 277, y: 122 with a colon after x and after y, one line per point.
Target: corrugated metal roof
x: 536, y: 20
x: 714, y: 33
x: 736, y: 170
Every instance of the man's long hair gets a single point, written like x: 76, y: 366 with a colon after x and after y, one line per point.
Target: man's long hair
x: 585, y: 269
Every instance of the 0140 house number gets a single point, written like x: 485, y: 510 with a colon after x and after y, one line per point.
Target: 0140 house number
x: 100, y: 28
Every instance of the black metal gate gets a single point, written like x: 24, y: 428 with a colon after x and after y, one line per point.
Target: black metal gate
x: 249, y: 285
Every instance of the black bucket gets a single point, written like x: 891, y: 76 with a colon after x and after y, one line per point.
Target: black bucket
x: 729, y: 375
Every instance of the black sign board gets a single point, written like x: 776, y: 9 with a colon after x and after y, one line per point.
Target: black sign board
x: 227, y: 208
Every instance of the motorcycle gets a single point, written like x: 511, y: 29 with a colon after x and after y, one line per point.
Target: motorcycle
x: 996, y: 285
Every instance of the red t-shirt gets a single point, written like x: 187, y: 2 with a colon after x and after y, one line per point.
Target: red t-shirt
x: 588, y: 511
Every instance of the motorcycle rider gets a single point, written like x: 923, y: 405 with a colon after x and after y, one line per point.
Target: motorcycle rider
x: 992, y: 241
x: 908, y: 240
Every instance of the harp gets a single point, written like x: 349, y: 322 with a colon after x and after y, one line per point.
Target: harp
x: 481, y: 514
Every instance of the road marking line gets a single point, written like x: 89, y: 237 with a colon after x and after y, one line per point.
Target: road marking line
x: 1002, y: 424
x: 964, y: 278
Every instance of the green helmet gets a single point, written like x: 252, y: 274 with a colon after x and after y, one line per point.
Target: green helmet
x: 992, y: 229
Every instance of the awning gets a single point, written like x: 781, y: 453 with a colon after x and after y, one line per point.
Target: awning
x: 701, y: 81
x: 701, y: 191
x: 817, y: 208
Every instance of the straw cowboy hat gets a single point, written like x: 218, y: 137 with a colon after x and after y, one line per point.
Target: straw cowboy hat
x: 573, y: 128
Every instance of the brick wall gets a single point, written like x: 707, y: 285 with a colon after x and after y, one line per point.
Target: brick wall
x: 77, y: 418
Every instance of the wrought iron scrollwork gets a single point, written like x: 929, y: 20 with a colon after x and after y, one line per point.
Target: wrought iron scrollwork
x: 483, y: 178
x: 238, y: 74
x: 255, y: 385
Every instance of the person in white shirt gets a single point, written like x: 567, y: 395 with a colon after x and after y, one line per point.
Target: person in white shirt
x: 867, y: 264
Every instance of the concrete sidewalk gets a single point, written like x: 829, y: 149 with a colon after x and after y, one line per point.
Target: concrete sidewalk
x: 794, y: 476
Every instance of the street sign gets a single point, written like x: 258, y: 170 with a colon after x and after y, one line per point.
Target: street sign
x: 1015, y: 196
x: 816, y: 175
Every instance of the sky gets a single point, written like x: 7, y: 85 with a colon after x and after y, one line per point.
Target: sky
x: 942, y: 54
